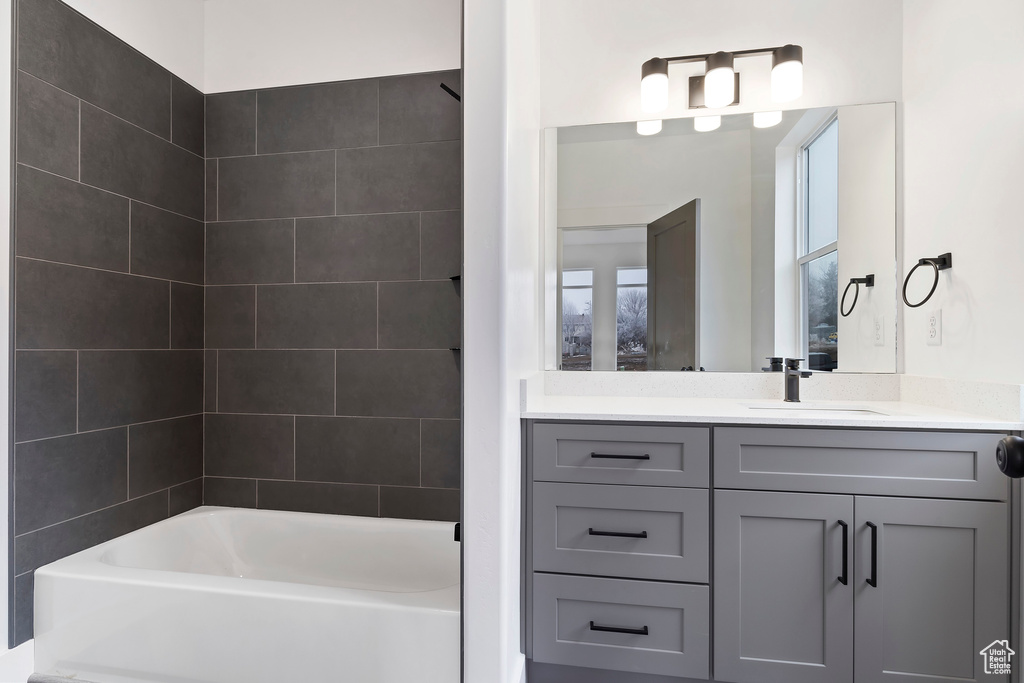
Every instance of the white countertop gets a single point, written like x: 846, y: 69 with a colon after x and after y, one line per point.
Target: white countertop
x: 886, y: 414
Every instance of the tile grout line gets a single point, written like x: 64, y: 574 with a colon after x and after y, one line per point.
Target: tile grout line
x: 86, y: 514
x: 131, y: 424
x: 135, y: 275
x: 336, y: 149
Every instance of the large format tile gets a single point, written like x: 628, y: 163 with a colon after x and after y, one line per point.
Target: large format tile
x: 60, y: 220
x: 24, y: 588
x: 415, y: 108
x: 440, y: 244
x: 441, y: 454
x: 125, y: 387
x: 314, y: 117
x: 164, y: 453
x: 357, y: 450
x: 65, y: 307
x: 250, y: 252
x: 398, y: 384
x: 57, y: 479
x: 275, y: 382
x: 45, y: 394
x: 167, y: 245
x: 354, y: 248
x: 332, y: 316
x: 47, y: 127
x: 276, y: 186
x: 412, y: 503
x: 420, y: 315
x: 231, y: 317
x: 185, y: 497
x: 422, y: 177
x: 235, y: 493
x: 231, y: 124
x: 211, y: 189
x: 187, y: 318
x: 210, y: 398
x: 187, y: 118
x: 251, y: 446
x: 119, y: 157
x: 332, y: 499
x: 62, y: 47
x: 35, y: 549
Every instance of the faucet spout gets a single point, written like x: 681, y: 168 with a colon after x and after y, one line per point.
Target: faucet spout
x: 793, y: 375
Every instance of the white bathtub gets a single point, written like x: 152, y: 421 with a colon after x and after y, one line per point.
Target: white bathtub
x: 221, y: 595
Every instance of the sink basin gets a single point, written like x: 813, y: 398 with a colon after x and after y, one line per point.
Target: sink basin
x: 817, y: 408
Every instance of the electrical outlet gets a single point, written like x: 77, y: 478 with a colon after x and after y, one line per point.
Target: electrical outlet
x: 879, y: 331
x: 935, y: 327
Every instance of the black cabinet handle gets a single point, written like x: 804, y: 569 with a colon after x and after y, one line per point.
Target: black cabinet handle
x: 873, y: 580
x: 613, y: 456
x: 844, y: 578
x: 620, y: 534
x: 620, y: 629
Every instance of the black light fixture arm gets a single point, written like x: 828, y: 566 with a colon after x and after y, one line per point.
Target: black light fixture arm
x: 761, y: 51
x: 855, y: 282
x: 943, y: 262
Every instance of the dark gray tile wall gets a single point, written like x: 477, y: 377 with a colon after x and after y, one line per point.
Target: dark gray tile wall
x: 333, y: 231
x: 109, y: 279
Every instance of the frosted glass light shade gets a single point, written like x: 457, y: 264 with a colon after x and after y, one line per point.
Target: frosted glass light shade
x: 767, y: 119
x: 654, y: 86
x: 704, y: 124
x: 648, y: 127
x: 719, y: 81
x: 787, y: 73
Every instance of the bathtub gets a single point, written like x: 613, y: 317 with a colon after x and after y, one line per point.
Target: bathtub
x: 223, y: 595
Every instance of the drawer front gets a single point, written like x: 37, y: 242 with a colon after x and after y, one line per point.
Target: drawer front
x: 622, y: 454
x: 629, y: 531
x: 636, y: 626
x: 917, y: 464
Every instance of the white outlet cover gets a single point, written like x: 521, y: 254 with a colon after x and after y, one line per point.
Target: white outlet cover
x: 933, y: 330
x: 879, y: 330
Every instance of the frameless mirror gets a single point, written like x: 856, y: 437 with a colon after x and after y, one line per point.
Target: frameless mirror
x: 712, y: 251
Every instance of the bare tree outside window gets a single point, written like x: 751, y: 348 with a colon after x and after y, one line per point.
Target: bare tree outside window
x: 631, y: 319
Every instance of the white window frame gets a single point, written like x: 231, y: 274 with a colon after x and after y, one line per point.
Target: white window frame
x: 804, y: 257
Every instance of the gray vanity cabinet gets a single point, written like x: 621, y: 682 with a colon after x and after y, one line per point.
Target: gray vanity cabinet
x: 781, y: 613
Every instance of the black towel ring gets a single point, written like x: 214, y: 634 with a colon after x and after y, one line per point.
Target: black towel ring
x: 938, y: 263
x: 855, y: 282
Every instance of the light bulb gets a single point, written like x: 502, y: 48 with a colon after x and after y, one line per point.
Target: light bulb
x: 719, y: 81
x: 703, y: 124
x: 654, y: 86
x: 767, y: 119
x: 648, y: 127
x: 787, y: 73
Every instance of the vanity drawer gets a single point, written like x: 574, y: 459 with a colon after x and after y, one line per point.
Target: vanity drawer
x: 637, y: 626
x: 622, y: 454
x: 923, y: 464
x: 629, y: 531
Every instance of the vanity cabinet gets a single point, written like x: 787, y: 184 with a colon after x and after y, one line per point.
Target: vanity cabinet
x: 837, y: 555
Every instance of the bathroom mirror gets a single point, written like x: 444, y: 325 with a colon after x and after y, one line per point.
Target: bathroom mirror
x: 713, y: 250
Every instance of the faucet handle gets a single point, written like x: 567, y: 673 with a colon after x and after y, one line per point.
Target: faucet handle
x: 794, y: 363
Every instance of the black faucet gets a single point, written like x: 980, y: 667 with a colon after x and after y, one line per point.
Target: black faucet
x: 793, y: 375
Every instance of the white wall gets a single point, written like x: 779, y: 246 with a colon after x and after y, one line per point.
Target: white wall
x: 638, y: 180
x: 170, y: 32
x: 963, y: 109
x: 591, y: 51
x: 265, y: 43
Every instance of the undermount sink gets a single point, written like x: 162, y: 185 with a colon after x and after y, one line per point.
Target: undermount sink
x: 840, y: 409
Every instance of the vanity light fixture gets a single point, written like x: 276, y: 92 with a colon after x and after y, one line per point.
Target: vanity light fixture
x: 648, y: 127
x: 719, y: 86
x: 767, y: 119
x: 705, y: 124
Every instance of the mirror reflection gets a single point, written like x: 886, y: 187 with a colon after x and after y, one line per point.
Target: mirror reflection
x: 711, y: 251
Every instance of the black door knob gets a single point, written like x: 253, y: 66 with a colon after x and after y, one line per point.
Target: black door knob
x: 1010, y: 456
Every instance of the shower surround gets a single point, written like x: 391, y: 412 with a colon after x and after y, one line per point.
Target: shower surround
x: 239, y: 298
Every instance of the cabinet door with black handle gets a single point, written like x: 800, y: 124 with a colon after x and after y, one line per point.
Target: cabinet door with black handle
x: 932, y: 588
x: 782, y: 611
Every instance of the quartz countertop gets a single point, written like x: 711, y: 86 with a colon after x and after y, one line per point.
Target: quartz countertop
x: 879, y: 414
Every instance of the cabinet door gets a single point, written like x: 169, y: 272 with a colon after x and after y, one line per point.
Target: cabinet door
x: 941, y: 590
x: 782, y: 614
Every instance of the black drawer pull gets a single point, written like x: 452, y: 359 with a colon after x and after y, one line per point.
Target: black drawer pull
x: 873, y: 580
x: 620, y: 629
x: 844, y: 579
x: 620, y: 534
x: 613, y: 456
